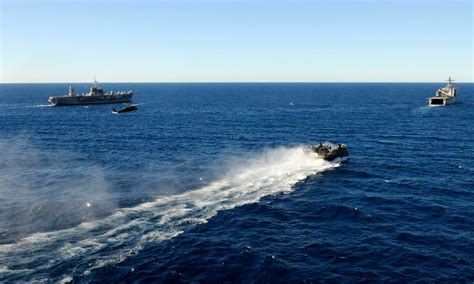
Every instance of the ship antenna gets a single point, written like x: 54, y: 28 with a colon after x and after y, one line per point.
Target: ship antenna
x: 95, y: 82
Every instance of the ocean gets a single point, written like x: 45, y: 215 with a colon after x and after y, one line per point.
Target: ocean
x: 210, y: 183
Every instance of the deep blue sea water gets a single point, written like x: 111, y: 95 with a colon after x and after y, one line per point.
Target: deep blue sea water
x: 210, y: 183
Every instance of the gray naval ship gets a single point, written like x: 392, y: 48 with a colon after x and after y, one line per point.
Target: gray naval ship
x: 96, y: 95
x: 444, y: 96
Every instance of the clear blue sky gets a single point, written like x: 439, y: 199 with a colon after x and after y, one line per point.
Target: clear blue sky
x: 236, y: 41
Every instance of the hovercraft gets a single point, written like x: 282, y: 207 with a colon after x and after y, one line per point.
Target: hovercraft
x: 330, y: 152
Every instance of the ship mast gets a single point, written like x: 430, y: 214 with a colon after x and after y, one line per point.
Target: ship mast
x: 71, y: 91
x: 450, y: 81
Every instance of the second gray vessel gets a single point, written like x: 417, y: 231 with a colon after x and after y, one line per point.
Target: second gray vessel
x: 96, y: 95
x: 444, y: 96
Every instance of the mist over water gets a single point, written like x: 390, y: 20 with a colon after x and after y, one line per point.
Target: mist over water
x: 215, y: 175
x: 47, y: 190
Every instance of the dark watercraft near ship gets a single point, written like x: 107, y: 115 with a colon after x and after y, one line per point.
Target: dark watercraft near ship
x: 96, y: 95
x: 130, y: 108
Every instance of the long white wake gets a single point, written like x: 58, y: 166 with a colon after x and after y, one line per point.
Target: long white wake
x: 128, y: 229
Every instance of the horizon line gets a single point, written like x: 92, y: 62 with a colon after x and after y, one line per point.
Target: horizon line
x: 245, y: 82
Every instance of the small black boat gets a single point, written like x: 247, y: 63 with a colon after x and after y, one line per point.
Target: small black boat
x: 330, y: 152
x: 130, y: 108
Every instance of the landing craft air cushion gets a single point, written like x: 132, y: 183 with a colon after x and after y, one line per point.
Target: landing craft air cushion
x: 330, y: 152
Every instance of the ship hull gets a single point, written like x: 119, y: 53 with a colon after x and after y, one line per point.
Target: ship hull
x: 89, y: 100
x: 441, y: 101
